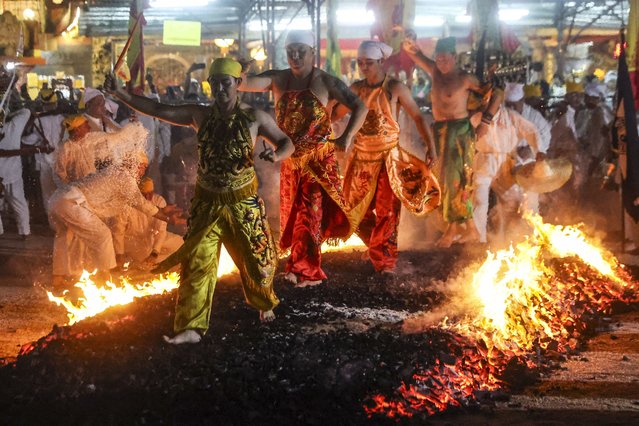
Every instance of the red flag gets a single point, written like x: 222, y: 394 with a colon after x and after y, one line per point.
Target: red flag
x: 135, y: 54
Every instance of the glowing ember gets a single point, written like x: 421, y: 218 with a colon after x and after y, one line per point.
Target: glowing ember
x: 516, y: 302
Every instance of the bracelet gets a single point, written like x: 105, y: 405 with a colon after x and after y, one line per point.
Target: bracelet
x: 486, y: 121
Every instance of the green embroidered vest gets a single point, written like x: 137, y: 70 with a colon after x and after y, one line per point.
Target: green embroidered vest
x: 225, y: 170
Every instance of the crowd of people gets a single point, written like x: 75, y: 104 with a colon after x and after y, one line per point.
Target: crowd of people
x: 110, y: 182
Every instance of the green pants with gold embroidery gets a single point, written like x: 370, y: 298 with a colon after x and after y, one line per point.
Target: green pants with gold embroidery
x: 457, y: 148
x: 243, y: 229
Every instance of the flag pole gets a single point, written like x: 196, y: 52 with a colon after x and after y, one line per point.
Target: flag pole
x: 621, y: 170
x: 118, y: 63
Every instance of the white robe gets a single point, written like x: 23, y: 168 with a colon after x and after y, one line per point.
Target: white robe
x: 53, y: 131
x: 11, y: 171
x: 137, y: 235
x: 495, y: 159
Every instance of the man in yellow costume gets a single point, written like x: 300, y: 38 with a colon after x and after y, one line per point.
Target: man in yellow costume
x: 380, y: 176
x: 226, y: 208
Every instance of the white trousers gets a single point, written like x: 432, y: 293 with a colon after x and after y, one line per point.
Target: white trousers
x: 82, y: 239
x: 14, y: 197
x: 495, y: 171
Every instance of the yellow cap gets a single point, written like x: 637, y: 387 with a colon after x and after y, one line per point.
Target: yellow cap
x: 573, y: 87
x: 74, y: 121
x: 48, y: 96
x: 226, y: 66
x: 532, y: 91
x: 146, y: 185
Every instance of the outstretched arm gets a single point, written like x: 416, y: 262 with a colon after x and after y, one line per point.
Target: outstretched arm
x: 341, y: 93
x: 182, y: 115
x: 258, y: 83
x: 269, y: 130
x: 416, y: 54
x: 408, y: 103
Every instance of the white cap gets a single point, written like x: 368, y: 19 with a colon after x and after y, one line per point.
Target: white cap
x: 514, y: 92
x: 300, y: 36
x: 372, y: 49
x: 112, y: 107
x: 90, y: 93
x: 595, y: 89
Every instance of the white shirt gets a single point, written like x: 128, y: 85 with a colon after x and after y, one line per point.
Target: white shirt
x: 11, y: 167
x: 541, y: 124
x: 53, y: 130
x: 111, y: 191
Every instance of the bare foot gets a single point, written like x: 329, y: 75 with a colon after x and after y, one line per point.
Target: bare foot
x: 187, y: 336
x: 365, y: 255
x: 308, y: 283
x: 291, y: 278
x: 471, y: 235
x: 267, y: 316
x: 445, y: 241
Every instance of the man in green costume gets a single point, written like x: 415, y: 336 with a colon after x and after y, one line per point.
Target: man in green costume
x: 451, y: 89
x: 226, y: 208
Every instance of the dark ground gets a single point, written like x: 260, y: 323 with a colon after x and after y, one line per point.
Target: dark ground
x: 330, y: 349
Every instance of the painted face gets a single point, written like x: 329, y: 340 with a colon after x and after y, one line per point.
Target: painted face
x: 369, y: 67
x: 445, y: 62
x: 300, y: 56
x: 96, y: 107
x: 223, y: 87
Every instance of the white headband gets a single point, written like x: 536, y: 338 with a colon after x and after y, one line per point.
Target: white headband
x: 596, y: 90
x: 90, y: 93
x: 300, y: 36
x: 372, y: 49
x: 514, y: 92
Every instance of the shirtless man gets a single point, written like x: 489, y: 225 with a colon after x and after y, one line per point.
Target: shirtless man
x: 450, y: 92
x: 311, y: 205
x: 226, y: 208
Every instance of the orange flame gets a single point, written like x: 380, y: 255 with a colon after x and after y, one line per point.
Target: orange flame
x: 520, y: 300
x: 96, y: 299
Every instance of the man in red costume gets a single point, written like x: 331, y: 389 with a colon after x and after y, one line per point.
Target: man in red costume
x: 312, y: 208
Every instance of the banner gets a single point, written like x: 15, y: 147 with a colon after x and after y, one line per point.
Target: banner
x: 392, y: 19
x: 135, y: 54
x: 625, y: 136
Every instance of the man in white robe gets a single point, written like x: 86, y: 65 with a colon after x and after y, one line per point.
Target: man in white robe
x: 496, y: 158
x: 96, y: 112
x: 81, y: 209
x: 514, y: 96
x: 48, y: 131
x: 142, y: 238
x: 11, y: 169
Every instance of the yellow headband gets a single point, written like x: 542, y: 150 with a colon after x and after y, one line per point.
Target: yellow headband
x: 146, y: 185
x: 226, y: 66
x: 532, y: 91
x: 572, y: 87
x: 74, y: 121
x: 48, y: 96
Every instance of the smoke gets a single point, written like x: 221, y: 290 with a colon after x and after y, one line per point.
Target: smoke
x: 458, y: 297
